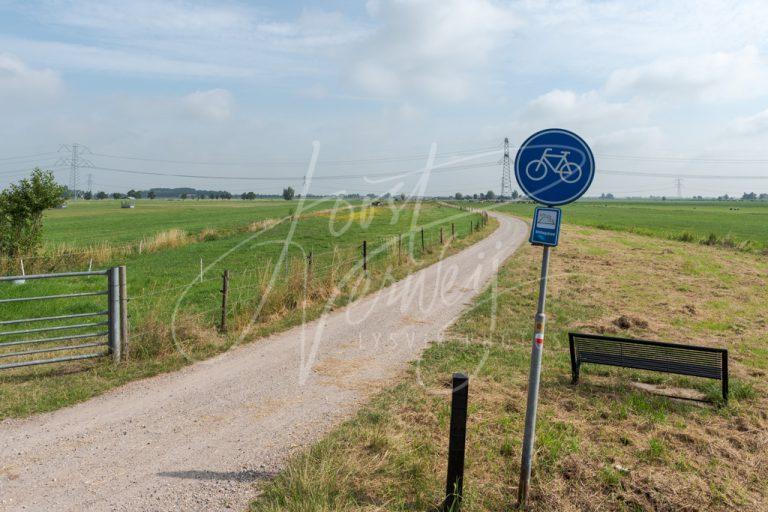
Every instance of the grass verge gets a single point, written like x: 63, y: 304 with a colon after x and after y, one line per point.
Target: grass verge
x: 602, y: 445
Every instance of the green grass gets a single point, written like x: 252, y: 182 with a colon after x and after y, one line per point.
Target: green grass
x: 601, y: 445
x: 739, y: 224
x: 168, y: 280
x: 85, y: 223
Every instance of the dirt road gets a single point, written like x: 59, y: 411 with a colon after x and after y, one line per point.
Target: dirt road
x: 200, y: 438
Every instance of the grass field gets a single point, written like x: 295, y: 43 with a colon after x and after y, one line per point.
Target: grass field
x: 740, y: 224
x: 85, y: 223
x: 601, y: 445
x: 278, y: 291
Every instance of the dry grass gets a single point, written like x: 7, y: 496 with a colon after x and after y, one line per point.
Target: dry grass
x: 603, y: 445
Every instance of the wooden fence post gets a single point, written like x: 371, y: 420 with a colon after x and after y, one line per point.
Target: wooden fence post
x: 224, y: 294
x: 365, y: 256
x: 422, y: 241
x: 453, y: 230
x: 441, y: 235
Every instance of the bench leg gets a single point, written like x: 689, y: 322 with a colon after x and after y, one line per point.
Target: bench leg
x: 725, y: 377
x: 575, y: 373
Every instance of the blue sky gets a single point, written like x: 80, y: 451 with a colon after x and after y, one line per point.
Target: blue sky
x: 654, y: 86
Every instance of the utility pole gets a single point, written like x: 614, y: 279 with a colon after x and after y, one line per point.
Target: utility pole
x: 75, y: 161
x: 506, y: 172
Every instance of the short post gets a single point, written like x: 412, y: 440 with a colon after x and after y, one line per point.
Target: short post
x: 113, y: 308
x: 224, y: 296
x: 441, y: 235
x: 422, y: 240
x: 537, y: 347
x: 365, y: 256
x: 124, y: 311
x: 456, y: 443
x: 399, y: 247
x: 453, y: 230
x: 309, y: 266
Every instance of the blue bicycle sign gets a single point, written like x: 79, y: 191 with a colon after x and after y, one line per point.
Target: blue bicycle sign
x: 554, y: 167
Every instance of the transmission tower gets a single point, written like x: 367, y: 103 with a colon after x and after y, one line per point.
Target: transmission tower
x: 679, y: 184
x: 506, y: 172
x: 75, y: 161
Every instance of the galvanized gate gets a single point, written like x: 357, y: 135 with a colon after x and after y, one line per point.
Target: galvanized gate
x: 78, y: 335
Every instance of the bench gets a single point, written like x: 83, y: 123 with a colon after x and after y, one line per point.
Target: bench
x: 707, y: 362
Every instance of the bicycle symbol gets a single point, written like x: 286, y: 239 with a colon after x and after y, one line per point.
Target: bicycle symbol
x: 570, y: 172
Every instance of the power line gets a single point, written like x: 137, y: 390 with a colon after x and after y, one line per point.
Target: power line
x: 678, y: 175
x: 289, y: 178
x: 403, y: 158
x: 25, y: 157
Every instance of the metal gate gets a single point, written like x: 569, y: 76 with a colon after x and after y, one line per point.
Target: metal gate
x: 77, y: 335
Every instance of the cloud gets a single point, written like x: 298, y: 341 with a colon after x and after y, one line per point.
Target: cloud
x: 589, y: 109
x: 754, y: 124
x: 213, y: 105
x: 429, y: 47
x: 19, y: 81
x: 717, y: 76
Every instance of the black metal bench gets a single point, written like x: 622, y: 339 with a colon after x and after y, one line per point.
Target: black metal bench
x: 707, y: 362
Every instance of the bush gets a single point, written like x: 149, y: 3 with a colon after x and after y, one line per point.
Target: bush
x: 21, y: 211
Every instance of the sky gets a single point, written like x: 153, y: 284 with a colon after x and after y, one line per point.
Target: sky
x: 233, y: 89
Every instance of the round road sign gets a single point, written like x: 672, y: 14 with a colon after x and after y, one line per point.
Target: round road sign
x: 554, y: 167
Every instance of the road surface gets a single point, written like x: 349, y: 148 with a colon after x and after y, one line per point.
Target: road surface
x: 201, y: 438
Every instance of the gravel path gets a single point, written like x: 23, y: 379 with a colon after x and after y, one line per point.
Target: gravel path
x: 201, y: 438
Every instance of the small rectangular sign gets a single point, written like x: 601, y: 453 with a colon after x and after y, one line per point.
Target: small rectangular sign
x: 545, y: 229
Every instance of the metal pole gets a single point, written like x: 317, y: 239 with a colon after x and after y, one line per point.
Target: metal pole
x: 537, y: 347
x: 113, y: 294
x: 123, y: 311
x: 224, y: 294
x: 456, y: 443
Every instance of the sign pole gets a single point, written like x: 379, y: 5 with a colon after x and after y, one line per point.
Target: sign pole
x: 553, y: 167
x: 533, y: 384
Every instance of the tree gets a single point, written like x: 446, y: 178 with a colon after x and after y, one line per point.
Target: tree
x: 490, y: 195
x: 117, y: 195
x: 88, y: 196
x: 101, y: 195
x: 515, y: 195
x: 184, y: 195
x: 459, y: 196
x: 21, y: 211
x: 137, y: 195
x: 751, y: 196
x: 288, y: 193
x: 151, y: 194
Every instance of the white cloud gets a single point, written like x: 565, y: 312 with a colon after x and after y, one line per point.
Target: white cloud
x: 429, y: 47
x: 213, y: 105
x: 714, y: 76
x: 590, y: 109
x: 19, y: 81
x: 754, y: 124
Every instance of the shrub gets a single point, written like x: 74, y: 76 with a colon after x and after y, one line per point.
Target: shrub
x: 21, y: 211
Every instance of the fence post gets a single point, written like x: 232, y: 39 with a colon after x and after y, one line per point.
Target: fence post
x: 422, y: 241
x: 113, y: 294
x: 123, y: 312
x: 224, y: 296
x: 441, y: 235
x: 453, y: 230
x: 309, y: 266
x: 399, y: 247
x: 365, y: 256
x: 456, y: 443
